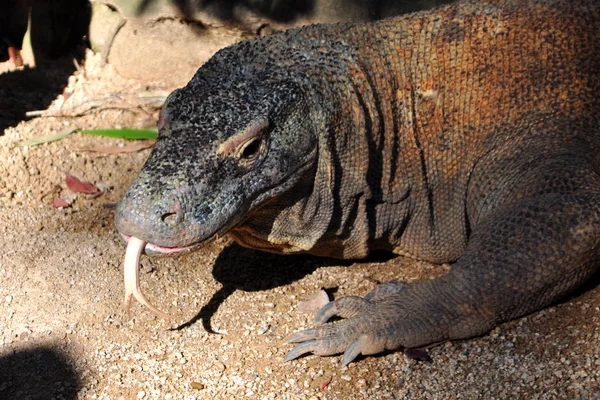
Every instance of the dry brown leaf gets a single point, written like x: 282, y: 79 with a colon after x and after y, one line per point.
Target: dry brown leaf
x: 78, y: 186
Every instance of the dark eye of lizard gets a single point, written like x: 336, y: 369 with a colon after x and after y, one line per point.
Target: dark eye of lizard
x: 250, y: 150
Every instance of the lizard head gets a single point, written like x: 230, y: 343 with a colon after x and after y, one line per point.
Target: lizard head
x: 233, y: 138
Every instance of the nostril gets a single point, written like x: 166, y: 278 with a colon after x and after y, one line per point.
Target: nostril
x: 169, y: 218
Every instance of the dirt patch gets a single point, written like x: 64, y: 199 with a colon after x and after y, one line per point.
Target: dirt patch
x: 63, y: 335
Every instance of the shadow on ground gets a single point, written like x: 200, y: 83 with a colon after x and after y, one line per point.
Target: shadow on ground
x: 592, y: 283
x: 38, y: 373
x: 239, y: 268
x: 58, y: 29
x: 31, y: 89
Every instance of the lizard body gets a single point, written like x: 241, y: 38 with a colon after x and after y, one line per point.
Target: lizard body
x: 468, y: 134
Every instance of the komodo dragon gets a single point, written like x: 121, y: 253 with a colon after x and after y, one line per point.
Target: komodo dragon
x: 469, y: 134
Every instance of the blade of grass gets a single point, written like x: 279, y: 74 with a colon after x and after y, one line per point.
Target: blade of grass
x: 132, y: 134
x: 45, y: 139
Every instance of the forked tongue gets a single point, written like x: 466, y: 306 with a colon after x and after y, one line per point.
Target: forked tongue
x: 131, y: 269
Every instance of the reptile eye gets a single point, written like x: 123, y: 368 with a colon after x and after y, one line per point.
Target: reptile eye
x: 251, y: 149
x: 247, y: 145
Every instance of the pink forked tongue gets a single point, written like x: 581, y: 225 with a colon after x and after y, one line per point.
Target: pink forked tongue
x: 131, y: 269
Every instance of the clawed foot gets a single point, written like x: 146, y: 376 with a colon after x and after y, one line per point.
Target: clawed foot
x: 370, y: 325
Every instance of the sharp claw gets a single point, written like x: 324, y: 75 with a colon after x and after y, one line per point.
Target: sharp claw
x: 353, y: 351
x: 302, y: 348
x: 326, y: 312
x: 302, y: 336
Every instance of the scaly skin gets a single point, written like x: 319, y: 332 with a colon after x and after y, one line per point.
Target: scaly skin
x: 469, y: 134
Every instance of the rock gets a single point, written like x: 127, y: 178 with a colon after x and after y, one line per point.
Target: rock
x: 171, y: 40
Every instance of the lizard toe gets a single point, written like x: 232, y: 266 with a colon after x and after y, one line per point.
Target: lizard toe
x: 370, y: 343
x: 302, y: 336
x: 299, y: 350
x: 322, y: 342
x: 326, y: 312
x: 346, y: 307
x: 353, y: 351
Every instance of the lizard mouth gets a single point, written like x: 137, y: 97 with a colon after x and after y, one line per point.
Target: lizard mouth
x: 154, y: 249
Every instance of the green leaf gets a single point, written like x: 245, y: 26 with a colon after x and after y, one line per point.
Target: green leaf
x: 46, y: 139
x: 132, y: 134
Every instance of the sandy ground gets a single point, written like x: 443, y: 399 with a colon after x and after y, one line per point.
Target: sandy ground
x: 63, y: 334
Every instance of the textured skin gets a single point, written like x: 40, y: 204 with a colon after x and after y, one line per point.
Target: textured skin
x: 469, y: 134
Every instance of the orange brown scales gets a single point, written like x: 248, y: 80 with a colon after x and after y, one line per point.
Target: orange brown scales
x: 467, y: 135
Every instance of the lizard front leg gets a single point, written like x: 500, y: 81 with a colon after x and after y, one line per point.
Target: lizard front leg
x: 519, y: 259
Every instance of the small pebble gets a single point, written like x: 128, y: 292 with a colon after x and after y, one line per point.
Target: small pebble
x: 263, y: 329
